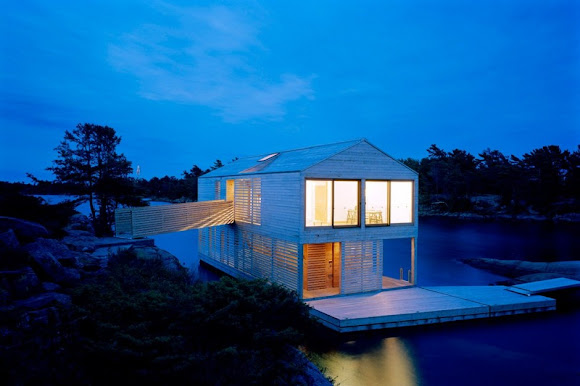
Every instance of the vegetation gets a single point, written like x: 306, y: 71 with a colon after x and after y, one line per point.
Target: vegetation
x: 52, y: 217
x: 143, y: 324
x: 546, y: 180
x: 88, y: 159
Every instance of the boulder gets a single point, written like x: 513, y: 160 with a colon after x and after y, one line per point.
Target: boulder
x: 43, y: 300
x: 80, y: 240
x: 50, y: 287
x: 26, y: 231
x: 169, y: 261
x: 46, y: 254
x: 8, y: 240
x: 20, y: 283
x: 80, y: 222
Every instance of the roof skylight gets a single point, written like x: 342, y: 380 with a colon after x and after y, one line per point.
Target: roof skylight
x: 268, y: 157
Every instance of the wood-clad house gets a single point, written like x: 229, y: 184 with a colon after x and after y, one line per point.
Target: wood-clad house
x: 315, y: 220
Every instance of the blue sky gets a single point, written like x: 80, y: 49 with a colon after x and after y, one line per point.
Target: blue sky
x: 186, y: 83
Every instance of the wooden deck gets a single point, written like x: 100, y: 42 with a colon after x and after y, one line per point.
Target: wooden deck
x: 538, y: 287
x: 423, y: 305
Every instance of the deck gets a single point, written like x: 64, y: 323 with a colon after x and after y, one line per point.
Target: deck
x: 423, y: 305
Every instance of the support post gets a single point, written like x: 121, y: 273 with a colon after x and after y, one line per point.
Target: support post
x: 413, y: 277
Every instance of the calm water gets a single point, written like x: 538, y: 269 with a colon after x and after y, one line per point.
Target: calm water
x: 540, y: 349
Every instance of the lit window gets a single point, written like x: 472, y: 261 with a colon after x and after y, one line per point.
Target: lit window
x: 318, y: 203
x: 332, y: 203
x: 346, y: 211
x: 401, y: 202
x: 376, y: 199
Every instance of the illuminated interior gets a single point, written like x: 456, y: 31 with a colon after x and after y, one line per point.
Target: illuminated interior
x: 376, y: 199
x: 318, y: 203
x: 346, y: 203
x: 401, y: 202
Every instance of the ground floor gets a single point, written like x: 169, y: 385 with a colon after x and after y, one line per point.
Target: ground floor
x: 314, y: 270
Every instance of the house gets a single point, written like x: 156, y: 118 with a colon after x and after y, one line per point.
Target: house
x: 317, y: 220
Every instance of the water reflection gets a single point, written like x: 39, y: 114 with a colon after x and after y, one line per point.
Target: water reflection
x: 390, y: 363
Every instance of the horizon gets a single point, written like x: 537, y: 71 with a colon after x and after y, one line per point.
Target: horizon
x: 185, y: 85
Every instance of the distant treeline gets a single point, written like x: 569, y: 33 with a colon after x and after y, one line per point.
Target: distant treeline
x: 166, y: 188
x: 545, y: 180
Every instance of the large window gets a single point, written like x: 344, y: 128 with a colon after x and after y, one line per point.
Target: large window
x: 401, y: 202
x: 388, y: 202
x: 248, y: 200
x: 333, y: 203
x: 376, y: 199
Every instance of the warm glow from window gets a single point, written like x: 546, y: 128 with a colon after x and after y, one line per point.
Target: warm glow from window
x: 401, y: 202
x: 318, y: 203
x: 346, y: 203
x: 376, y: 199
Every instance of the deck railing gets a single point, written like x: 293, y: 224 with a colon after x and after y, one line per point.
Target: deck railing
x: 153, y: 220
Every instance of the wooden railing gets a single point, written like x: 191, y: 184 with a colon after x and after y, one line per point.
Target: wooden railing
x: 154, y: 220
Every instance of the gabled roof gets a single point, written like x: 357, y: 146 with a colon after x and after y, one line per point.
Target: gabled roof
x: 284, y: 161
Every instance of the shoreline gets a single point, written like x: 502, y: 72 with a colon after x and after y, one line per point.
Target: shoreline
x: 568, y: 218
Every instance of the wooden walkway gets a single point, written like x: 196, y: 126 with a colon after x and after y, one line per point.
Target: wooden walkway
x: 423, y: 305
x: 154, y: 220
x: 538, y: 287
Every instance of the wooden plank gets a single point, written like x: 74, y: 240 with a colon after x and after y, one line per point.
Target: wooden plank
x: 542, y: 286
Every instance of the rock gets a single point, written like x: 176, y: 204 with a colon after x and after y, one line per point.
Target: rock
x: 20, y: 283
x: 46, y: 254
x: 169, y: 261
x: 26, y: 231
x: 8, y: 240
x: 80, y: 222
x: 50, y: 287
x: 92, y: 263
x: 519, y: 268
x: 81, y: 241
x: 42, y: 300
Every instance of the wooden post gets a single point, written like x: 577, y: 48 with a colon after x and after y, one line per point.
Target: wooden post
x: 300, y: 287
x: 413, y: 278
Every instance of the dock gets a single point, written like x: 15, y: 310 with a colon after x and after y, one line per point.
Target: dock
x: 417, y: 306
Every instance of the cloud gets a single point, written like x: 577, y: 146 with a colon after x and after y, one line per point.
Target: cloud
x: 202, y: 56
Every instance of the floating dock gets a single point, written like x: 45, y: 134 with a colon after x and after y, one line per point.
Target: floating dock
x: 424, y: 305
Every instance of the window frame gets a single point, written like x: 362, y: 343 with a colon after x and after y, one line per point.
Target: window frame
x: 332, y: 180
x: 389, y: 206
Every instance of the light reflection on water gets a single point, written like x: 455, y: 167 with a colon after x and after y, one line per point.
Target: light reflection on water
x: 368, y: 365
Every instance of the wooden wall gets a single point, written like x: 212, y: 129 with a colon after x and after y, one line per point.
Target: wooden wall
x: 256, y: 255
x: 362, y: 266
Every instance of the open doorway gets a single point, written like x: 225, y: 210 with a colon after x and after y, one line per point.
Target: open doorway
x: 398, y: 266
x: 321, y: 270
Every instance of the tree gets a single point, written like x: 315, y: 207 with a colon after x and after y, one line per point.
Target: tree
x: 88, y: 158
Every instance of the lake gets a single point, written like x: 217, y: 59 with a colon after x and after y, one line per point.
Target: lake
x: 537, y: 349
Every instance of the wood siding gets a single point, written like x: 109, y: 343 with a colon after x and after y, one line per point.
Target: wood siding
x: 154, y: 220
x: 361, y: 161
x: 362, y: 266
x: 254, y: 254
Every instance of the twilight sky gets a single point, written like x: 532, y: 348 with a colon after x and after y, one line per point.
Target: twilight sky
x: 185, y: 84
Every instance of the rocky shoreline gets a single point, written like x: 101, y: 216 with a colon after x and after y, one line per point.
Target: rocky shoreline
x: 37, y: 272
x: 520, y: 271
x: 561, y: 218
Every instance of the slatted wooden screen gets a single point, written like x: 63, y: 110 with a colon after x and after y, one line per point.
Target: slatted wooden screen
x: 254, y: 254
x: 316, y: 265
x: 248, y: 200
x: 154, y: 220
x: 362, y: 266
